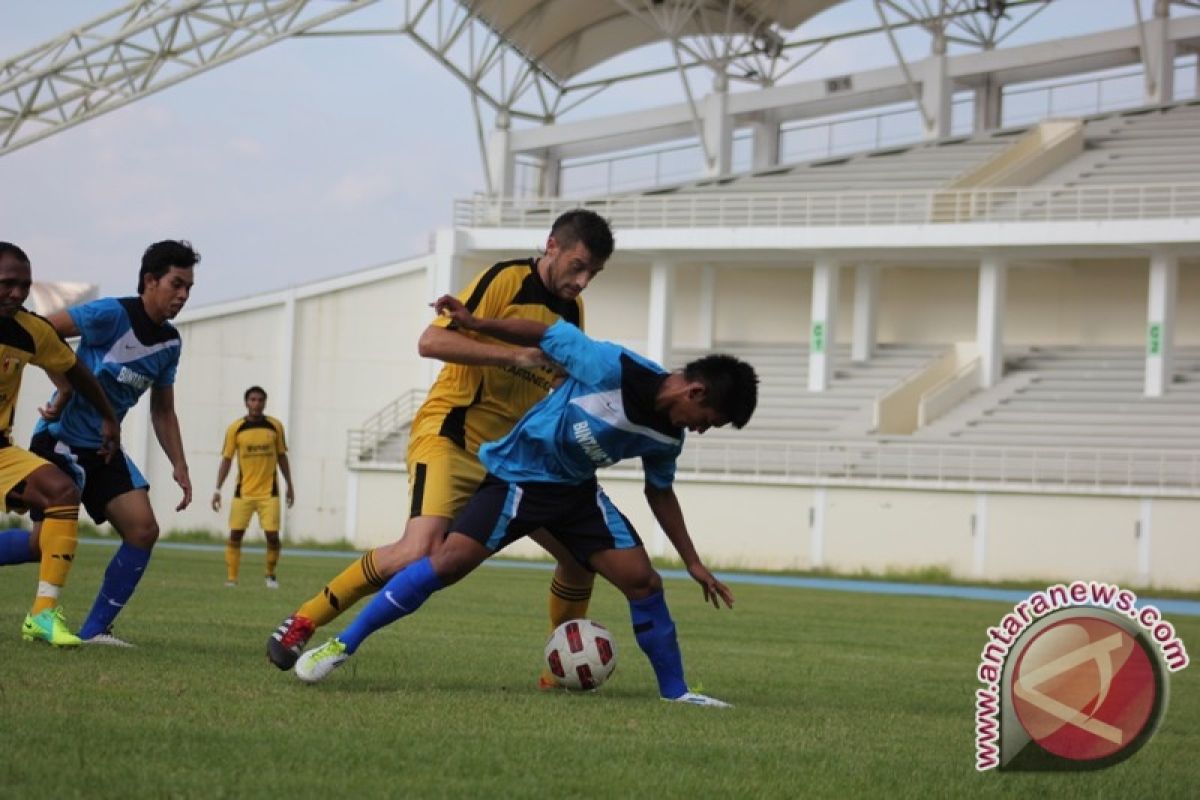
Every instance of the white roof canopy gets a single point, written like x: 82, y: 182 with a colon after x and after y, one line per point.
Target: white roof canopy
x: 567, y: 37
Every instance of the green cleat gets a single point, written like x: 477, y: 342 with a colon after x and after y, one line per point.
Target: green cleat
x: 49, y: 626
x: 315, y: 665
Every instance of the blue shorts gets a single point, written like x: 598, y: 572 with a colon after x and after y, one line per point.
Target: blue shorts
x: 579, y: 515
x: 98, y: 483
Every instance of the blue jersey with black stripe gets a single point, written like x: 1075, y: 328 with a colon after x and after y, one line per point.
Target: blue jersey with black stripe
x: 127, y: 352
x: 603, y: 413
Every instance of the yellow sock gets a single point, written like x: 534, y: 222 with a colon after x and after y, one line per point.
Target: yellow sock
x: 568, y: 602
x: 272, y: 558
x: 351, y: 585
x: 59, y: 538
x: 233, y: 559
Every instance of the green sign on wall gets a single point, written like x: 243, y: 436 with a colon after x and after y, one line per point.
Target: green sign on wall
x: 817, y: 343
x: 1154, y: 340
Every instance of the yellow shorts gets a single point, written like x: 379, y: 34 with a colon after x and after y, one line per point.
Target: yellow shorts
x: 441, y: 477
x: 243, y: 509
x: 16, y: 464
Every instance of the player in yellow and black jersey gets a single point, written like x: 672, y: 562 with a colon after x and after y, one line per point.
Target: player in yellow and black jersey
x: 261, y: 449
x: 485, y: 386
x: 28, y: 482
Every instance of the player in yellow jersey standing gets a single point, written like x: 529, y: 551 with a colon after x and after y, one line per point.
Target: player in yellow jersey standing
x: 485, y: 386
x: 28, y: 482
x: 261, y: 449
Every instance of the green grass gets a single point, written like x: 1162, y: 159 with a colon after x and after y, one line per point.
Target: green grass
x: 837, y: 695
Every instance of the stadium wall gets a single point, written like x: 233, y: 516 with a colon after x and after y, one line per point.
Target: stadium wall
x: 334, y: 353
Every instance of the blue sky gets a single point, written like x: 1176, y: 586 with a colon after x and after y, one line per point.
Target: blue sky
x: 309, y: 159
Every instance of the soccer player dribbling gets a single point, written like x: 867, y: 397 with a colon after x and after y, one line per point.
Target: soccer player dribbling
x: 614, y: 405
x: 485, y: 386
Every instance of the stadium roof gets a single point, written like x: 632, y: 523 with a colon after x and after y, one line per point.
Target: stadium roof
x: 567, y: 37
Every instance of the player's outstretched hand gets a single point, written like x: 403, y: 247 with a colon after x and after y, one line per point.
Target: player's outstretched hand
x: 216, y: 501
x: 110, y: 439
x: 452, y: 307
x: 185, y: 482
x: 714, y: 591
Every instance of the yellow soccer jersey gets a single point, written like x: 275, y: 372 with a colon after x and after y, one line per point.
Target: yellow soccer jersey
x: 26, y: 338
x: 471, y: 405
x: 258, y: 445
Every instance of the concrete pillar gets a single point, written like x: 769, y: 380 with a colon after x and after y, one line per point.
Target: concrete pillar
x: 1160, y: 328
x: 989, y: 105
x: 816, y: 528
x: 718, y: 129
x: 551, y: 177
x: 706, y: 320
x: 1158, y: 58
x: 500, y: 158
x: 866, y: 312
x: 765, y: 131
x: 824, y: 323
x: 1144, y: 531
x: 989, y: 332
x: 936, y: 91
x: 979, y: 532
x: 658, y: 332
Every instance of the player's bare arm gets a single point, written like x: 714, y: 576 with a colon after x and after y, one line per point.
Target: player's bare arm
x: 84, y: 382
x: 286, y: 469
x: 526, y: 332
x: 222, y: 474
x: 665, y: 506
x: 53, y: 408
x: 166, y: 429
x: 454, y: 348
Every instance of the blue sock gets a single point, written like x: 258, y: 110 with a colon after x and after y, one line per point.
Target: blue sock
x: 399, y: 597
x: 655, y: 632
x: 14, y: 547
x: 120, y: 579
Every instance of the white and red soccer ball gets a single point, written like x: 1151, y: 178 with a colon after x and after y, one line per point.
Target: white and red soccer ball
x: 581, y: 654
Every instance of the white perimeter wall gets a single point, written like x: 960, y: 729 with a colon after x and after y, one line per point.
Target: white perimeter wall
x: 355, y: 351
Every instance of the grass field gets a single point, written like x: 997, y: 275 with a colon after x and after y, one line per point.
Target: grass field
x: 837, y: 695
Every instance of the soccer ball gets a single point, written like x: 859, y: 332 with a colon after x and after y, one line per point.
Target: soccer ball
x: 581, y: 654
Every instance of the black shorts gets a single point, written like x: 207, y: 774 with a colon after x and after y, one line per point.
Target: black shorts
x: 98, y: 482
x: 579, y: 515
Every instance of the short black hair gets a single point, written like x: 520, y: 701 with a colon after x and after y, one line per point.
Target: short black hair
x: 161, y: 256
x: 9, y: 247
x: 254, y: 390
x: 581, y: 225
x: 732, y: 386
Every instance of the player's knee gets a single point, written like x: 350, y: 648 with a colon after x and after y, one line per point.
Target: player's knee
x: 572, y: 573
x: 142, y: 535
x: 642, y: 584
x: 61, y: 493
x: 236, y: 536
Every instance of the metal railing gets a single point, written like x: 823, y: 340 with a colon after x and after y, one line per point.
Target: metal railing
x: 362, y: 444
x: 876, y: 462
x: 812, y: 209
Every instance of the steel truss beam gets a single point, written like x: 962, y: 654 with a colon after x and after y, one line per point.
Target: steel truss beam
x: 141, y: 48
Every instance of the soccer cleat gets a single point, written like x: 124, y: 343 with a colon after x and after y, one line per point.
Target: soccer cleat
x: 272, y: 583
x: 286, y: 644
x: 107, y: 639
x: 315, y: 665
x: 696, y: 699
x: 230, y: 584
x: 48, y: 626
x: 547, y: 683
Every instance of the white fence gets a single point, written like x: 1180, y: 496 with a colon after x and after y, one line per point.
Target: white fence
x: 939, y: 465
x: 809, y: 209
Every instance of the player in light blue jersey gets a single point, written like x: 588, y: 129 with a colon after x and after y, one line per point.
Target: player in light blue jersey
x: 614, y: 405
x: 132, y: 348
